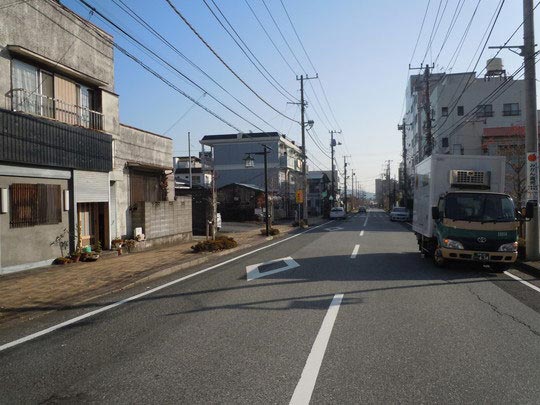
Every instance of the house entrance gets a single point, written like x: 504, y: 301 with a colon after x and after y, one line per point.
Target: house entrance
x: 94, y: 222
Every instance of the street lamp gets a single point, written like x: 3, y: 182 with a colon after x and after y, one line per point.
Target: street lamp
x: 249, y: 162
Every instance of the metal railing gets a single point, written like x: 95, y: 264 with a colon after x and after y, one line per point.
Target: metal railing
x: 37, y: 104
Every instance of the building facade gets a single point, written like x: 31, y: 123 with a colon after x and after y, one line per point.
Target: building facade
x: 284, y: 165
x: 68, y: 169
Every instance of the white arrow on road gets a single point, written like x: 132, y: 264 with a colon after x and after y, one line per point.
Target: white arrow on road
x: 257, y: 270
x: 334, y: 228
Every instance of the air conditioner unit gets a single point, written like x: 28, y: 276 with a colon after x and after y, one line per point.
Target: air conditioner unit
x: 470, y: 179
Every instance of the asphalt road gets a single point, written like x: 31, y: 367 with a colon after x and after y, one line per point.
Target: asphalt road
x: 357, y: 317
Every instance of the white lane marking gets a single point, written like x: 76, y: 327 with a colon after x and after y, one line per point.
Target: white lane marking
x: 522, y: 281
x: 365, y: 222
x: 362, y: 233
x: 355, y: 251
x: 253, y: 272
x: 304, y: 388
x: 333, y: 229
x: 135, y: 297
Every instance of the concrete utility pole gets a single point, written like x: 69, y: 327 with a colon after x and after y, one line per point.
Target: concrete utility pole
x: 332, y: 145
x: 352, y: 191
x: 189, y: 154
x: 427, y: 109
x: 532, y: 237
x: 531, y: 128
x: 304, y: 155
x: 345, y: 181
x: 388, y: 183
x: 403, y: 129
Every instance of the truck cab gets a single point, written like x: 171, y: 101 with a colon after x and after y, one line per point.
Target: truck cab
x: 476, y: 226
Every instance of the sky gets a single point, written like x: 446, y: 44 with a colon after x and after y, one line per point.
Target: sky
x: 360, y: 50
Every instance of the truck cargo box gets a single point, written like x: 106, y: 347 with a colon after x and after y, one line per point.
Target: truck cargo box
x: 439, y: 174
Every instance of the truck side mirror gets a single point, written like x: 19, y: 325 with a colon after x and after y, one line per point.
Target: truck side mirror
x: 435, y: 214
x: 529, y: 209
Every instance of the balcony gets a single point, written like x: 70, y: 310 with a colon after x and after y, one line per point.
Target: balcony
x: 36, y: 104
x: 290, y: 163
x: 30, y: 139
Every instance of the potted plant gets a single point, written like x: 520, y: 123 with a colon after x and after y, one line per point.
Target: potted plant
x: 76, y: 256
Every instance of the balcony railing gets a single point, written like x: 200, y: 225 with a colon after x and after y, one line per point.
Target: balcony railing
x: 37, y: 104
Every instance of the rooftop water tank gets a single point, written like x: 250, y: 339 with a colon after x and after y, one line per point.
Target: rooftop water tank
x: 494, y: 65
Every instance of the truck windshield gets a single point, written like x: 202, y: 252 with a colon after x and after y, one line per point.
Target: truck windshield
x: 479, y: 207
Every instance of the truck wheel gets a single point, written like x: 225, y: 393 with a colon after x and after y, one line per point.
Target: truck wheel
x: 438, y: 258
x: 499, y: 267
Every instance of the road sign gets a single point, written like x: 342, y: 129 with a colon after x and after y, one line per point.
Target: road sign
x: 299, y: 196
x: 532, y: 173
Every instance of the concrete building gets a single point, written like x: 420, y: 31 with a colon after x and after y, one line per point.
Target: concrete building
x: 66, y: 163
x: 201, y: 175
x: 475, y: 111
x: 490, y: 103
x: 284, y: 165
x: 319, y: 193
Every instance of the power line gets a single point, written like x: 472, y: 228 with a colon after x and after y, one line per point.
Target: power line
x: 453, y: 20
x: 149, y: 28
x: 282, y: 90
x: 165, y: 62
x: 181, y: 16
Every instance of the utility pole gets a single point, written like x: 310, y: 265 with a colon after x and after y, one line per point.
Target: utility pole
x: 427, y: 109
x: 304, y: 155
x: 532, y: 237
x: 402, y: 128
x: 388, y: 183
x: 189, y: 154
x: 352, y: 191
x: 332, y: 145
x: 531, y: 127
x: 345, y: 181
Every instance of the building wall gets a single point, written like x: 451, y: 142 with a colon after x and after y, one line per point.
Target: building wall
x: 130, y: 146
x: 59, y: 30
x: 29, y: 246
x: 164, y: 222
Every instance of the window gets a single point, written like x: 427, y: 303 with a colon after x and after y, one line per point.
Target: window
x: 35, y: 204
x: 511, y: 109
x: 444, y: 111
x: 485, y: 110
x: 460, y: 110
x: 36, y: 91
x: 445, y: 142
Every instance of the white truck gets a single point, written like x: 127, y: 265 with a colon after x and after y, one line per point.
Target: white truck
x: 461, y: 211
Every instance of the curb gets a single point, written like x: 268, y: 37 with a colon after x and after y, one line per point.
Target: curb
x: 528, y: 268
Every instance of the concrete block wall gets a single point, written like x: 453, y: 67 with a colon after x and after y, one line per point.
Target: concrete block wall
x: 163, y: 220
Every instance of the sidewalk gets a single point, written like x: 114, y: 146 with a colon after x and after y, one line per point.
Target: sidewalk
x: 31, y: 293
x: 533, y: 267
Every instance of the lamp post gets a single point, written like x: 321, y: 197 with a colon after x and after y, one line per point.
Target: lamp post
x: 249, y: 162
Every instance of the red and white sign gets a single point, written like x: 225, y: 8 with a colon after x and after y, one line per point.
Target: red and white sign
x: 532, y: 176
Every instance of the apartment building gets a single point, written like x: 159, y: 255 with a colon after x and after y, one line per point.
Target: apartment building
x: 284, y: 165
x: 67, y: 166
x: 469, y: 114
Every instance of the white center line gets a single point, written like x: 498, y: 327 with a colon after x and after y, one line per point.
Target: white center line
x: 362, y: 233
x: 365, y: 222
x: 355, y: 251
x: 306, y: 385
x: 522, y: 281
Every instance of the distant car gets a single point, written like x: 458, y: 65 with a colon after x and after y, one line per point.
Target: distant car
x: 400, y: 214
x: 362, y: 210
x: 337, y: 213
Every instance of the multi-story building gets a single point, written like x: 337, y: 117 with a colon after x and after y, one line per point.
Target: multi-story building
x: 319, y: 192
x: 201, y: 175
x: 465, y: 110
x: 68, y: 168
x: 284, y: 165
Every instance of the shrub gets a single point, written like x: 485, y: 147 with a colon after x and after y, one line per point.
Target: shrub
x: 220, y: 243
x: 62, y: 260
x: 271, y: 231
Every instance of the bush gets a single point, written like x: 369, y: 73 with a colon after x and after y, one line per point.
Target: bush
x: 62, y: 260
x: 271, y: 231
x: 220, y: 243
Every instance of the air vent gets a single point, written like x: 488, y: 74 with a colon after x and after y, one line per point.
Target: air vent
x: 469, y: 179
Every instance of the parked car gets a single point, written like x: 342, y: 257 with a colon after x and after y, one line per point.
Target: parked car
x: 362, y: 210
x: 400, y: 214
x: 337, y: 213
